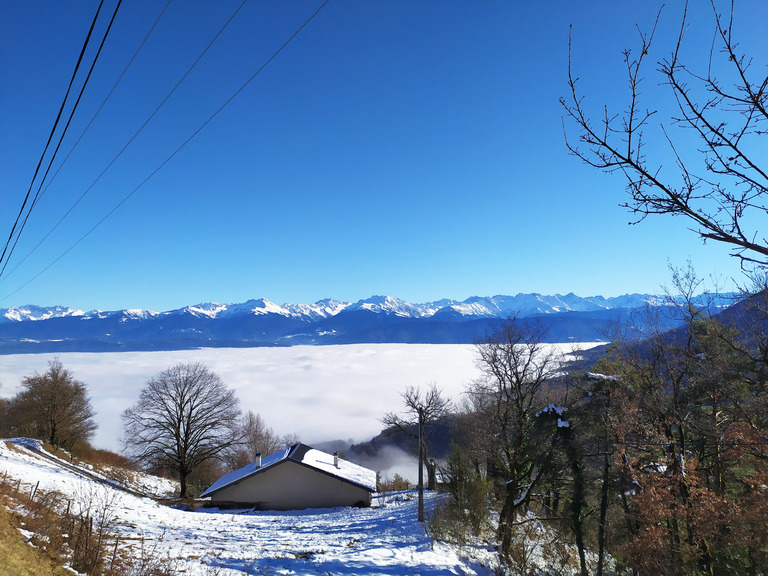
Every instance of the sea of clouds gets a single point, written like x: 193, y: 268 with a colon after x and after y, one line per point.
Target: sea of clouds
x: 321, y: 393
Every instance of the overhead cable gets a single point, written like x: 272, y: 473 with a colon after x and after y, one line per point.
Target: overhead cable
x: 53, y: 131
x: 168, y: 159
x: 135, y: 135
x: 61, y: 137
x: 106, y: 98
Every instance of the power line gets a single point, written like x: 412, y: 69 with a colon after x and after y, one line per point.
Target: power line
x: 53, y: 131
x: 55, y: 226
x: 106, y: 98
x: 168, y: 159
x: 63, y: 133
x: 135, y: 135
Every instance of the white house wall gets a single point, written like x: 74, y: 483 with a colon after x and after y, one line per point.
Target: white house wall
x: 291, y: 486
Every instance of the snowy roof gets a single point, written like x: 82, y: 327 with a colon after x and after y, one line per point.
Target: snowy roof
x: 306, y: 456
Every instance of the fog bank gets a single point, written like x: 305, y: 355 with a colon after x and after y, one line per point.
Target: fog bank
x: 319, y: 392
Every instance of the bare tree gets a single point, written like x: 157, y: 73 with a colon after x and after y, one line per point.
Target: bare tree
x: 55, y: 407
x: 725, y: 197
x: 259, y: 438
x: 423, y: 409
x: 184, y: 417
x: 5, y: 424
x: 515, y: 365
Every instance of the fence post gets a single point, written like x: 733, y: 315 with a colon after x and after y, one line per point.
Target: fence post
x: 114, y: 554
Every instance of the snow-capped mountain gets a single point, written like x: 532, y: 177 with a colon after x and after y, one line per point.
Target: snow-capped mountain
x: 482, y: 307
x: 36, y: 313
x: 261, y: 322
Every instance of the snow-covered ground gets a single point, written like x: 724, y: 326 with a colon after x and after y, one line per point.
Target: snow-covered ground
x: 383, y: 539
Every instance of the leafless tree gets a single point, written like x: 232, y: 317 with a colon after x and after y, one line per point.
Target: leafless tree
x: 4, y: 418
x: 259, y: 438
x: 422, y: 409
x: 184, y: 416
x: 724, y: 197
x: 55, y: 407
x: 515, y: 365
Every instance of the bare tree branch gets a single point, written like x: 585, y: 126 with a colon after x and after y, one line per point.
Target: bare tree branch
x: 727, y: 201
x: 423, y: 410
x: 184, y: 417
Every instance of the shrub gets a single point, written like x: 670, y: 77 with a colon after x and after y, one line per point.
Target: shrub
x: 90, y: 522
x: 466, y: 512
x: 392, y: 485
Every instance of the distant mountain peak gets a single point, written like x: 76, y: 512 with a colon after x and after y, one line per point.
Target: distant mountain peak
x: 209, y: 309
x: 261, y: 322
x: 522, y: 304
x: 31, y: 312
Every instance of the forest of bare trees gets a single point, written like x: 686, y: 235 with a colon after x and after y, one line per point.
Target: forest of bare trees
x: 653, y: 457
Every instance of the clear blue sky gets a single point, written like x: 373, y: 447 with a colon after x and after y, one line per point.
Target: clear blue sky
x: 413, y: 149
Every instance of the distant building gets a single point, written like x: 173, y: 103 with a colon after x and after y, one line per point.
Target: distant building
x: 295, y: 478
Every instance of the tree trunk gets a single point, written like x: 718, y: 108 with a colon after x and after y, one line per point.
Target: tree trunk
x: 182, y: 483
x: 507, y: 520
x: 577, y: 498
x: 719, y: 482
x: 431, y: 474
x: 603, y: 514
x: 421, y: 466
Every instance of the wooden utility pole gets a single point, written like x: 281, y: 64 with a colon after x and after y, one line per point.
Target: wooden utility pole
x: 421, y: 464
x: 428, y: 409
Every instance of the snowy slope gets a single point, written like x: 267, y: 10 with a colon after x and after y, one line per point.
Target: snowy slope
x: 384, y: 539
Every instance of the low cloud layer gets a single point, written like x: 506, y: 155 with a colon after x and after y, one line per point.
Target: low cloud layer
x: 319, y: 392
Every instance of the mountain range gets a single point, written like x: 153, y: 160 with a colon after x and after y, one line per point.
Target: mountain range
x: 379, y: 319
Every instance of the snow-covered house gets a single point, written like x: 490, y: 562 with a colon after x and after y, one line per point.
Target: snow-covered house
x: 295, y: 478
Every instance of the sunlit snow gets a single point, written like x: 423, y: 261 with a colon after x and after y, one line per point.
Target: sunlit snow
x: 383, y: 539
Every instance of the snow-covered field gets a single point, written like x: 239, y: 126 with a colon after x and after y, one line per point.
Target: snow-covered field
x: 384, y: 539
x: 320, y: 393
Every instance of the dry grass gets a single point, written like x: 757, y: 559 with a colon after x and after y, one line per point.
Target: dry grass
x: 16, y: 555
x: 104, y: 458
x: 76, y: 532
x: 80, y: 532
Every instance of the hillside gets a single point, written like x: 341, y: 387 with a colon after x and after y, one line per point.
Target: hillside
x: 18, y: 558
x: 384, y: 539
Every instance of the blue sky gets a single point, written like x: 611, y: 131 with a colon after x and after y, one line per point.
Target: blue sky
x: 413, y: 149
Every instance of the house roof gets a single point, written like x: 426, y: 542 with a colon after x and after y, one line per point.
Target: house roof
x: 306, y: 456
